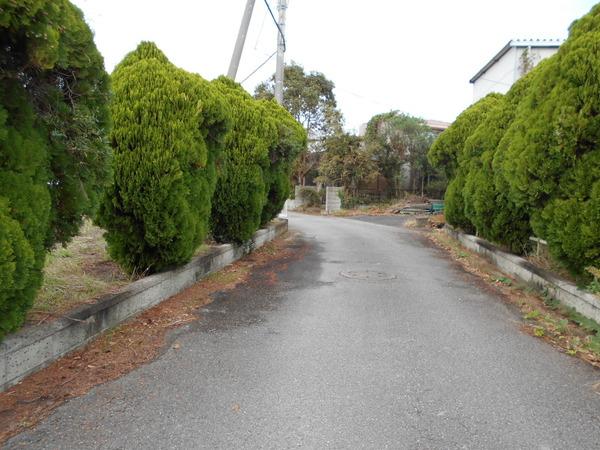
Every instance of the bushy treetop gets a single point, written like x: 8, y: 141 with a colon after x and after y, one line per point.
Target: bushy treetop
x: 447, y: 149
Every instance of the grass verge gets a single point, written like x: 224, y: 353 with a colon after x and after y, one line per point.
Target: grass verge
x: 77, y: 274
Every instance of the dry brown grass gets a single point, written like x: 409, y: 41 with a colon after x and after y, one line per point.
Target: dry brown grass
x: 76, y: 274
x: 545, y: 261
x: 437, y: 220
x: 376, y: 209
x: 79, y: 274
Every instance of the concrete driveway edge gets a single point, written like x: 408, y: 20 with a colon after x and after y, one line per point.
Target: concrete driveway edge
x: 35, y: 347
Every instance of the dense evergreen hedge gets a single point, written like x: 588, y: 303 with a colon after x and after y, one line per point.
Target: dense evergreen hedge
x: 169, y: 126
x: 53, y: 152
x: 290, y: 142
x: 255, y: 170
x: 486, y: 201
x: 532, y: 165
x: 189, y: 156
x: 556, y: 148
x: 448, y: 152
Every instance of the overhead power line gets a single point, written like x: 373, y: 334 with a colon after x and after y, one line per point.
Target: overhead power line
x: 276, y: 24
x: 259, y: 67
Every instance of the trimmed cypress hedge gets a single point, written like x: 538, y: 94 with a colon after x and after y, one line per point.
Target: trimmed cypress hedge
x: 53, y: 150
x: 241, y: 192
x: 255, y: 169
x: 486, y: 201
x: 533, y: 163
x: 25, y: 205
x: 448, y: 152
x: 190, y: 156
x: 556, y: 148
x: 169, y: 126
x: 291, y: 140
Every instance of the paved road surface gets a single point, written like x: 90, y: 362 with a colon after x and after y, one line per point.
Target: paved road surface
x: 428, y: 359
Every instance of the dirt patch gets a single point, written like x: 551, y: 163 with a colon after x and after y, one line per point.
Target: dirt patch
x: 131, y: 344
x: 543, y: 316
x: 309, y: 210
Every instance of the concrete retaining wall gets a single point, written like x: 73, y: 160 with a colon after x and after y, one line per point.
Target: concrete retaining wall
x: 584, y: 302
x: 35, y: 347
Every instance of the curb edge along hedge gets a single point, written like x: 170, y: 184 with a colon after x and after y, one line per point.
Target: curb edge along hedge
x: 546, y: 162
x: 53, y: 152
x: 168, y: 128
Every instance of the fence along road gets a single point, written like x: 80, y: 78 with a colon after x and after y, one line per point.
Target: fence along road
x: 372, y: 340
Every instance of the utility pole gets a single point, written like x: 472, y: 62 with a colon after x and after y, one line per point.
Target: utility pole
x: 241, y: 39
x: 281, y: 7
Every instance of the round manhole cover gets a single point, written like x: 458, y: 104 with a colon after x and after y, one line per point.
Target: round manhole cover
x: 370, y: 275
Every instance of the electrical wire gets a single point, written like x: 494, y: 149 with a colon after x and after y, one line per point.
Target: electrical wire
x: 262, y: 25
x: 276, y: 24
x: 259, y: 67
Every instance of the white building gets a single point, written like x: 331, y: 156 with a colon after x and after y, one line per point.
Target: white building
x: 514, y: 60
x: 437, y: 126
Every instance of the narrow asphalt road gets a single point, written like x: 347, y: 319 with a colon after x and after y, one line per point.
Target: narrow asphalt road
x: 372, y: 340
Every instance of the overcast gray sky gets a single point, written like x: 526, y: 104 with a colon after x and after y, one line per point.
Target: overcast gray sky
x: 414, y: 56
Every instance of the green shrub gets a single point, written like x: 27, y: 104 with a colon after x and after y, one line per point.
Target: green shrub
x: 169, y: 126
x: 446, y: 151
x: 533, y: 162
x: 449, y: 154
x: 310, y: 197
x: 290, y: 142
x: 53, y: 152
x: 552, y: 163
x: 347, y: 201
x: 486, y: 203
x: 25, y: 205
x: 241, y: 191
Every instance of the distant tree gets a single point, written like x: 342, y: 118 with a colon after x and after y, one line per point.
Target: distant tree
x: 395, y: 139
x: 310, y: 99
x: 346, y: 163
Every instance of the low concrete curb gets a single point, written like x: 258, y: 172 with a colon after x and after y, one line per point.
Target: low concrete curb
x: 36, y: 347
x: 584, y: 302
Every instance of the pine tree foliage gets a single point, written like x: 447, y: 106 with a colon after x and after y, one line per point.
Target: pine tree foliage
x: 169, y: 127
x: 53, y: 152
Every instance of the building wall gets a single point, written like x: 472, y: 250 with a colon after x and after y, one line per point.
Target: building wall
x: 501, y: 76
